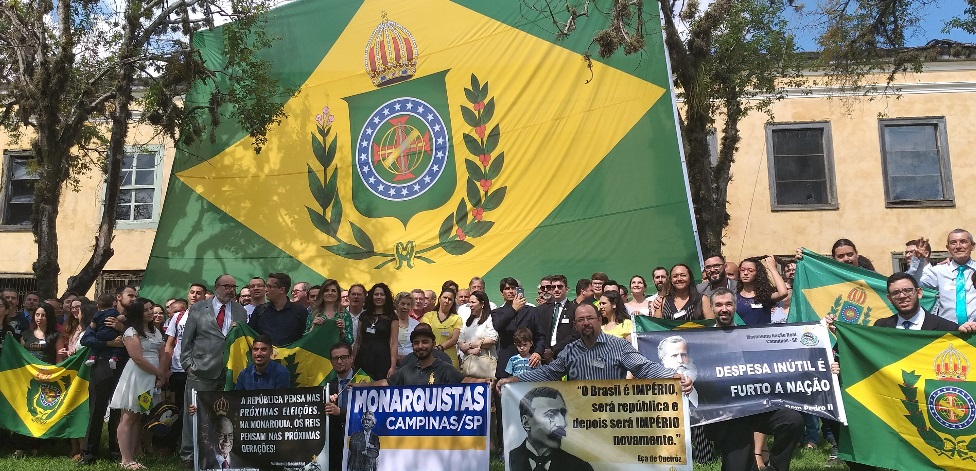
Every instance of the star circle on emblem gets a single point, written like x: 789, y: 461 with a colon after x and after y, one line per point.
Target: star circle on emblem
x: 403, y: 149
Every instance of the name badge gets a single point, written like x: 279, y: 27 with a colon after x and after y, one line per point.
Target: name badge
x: 370, y: 330
x: 445, y: 333
x: 598, y: 363
x: 680, y: 313
x: 564, y: 321
x: 757, y: 305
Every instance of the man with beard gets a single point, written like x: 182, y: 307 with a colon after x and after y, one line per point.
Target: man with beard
x: 673, y: 352
x: 543, y: 415
x: 734, y: 438
x: 713, y: 274
x: 427, y: 369
x: 364, y: 446
x: 597, y: 356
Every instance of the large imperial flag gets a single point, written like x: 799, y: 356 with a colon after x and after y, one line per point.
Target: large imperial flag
x: 436, y: 139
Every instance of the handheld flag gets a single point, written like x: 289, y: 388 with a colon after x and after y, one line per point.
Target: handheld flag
x: 56, y: 401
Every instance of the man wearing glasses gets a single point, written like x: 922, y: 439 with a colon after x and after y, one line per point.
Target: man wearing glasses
x: 202, y: 347
x: 597, y: 356
x: 555, y: 319
x: 341, y: 357
x: 713, y: 274
x: 280, y: 319
x: 904, y: 294
x: 299, y: 294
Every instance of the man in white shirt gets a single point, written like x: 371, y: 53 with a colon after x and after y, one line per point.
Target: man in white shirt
x: 357, y: 298
x: 954, y: 280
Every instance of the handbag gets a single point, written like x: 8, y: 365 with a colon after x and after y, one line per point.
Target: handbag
x: 480, y: 366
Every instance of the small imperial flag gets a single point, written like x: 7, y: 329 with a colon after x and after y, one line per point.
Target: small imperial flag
x: 56, y: 401
x: 852, y: 294
x: 307, y: 359
x: 910, y: 398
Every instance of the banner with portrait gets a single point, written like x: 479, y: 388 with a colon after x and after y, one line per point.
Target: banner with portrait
x: 639, y: 424
x: 743, y: 371
x: 434, y: 428
x: 282, y: 429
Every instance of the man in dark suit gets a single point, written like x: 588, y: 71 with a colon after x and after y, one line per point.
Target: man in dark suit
x: 543, y: 414
x: 202, y: 355
x: 364, y: 446
x: 341, y: 358
x: 904, y: 294
x: 555, y: 319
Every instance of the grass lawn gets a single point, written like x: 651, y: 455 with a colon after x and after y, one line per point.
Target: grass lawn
x: 803, y: 460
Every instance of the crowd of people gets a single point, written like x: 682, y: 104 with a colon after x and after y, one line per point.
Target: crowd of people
x: 142, y: 351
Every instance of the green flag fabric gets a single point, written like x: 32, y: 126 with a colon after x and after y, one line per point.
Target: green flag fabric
x: 852, y: 294
x: 434, y: 139
x: 56, y: 401
x: 653, y: 324
x: 307, y: 359
x: 909, y: 399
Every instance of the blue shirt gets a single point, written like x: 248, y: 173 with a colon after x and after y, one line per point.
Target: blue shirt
x: 752, y: 313
x: 275, y: 376
x: 517, y: 365
x: 284, y: 326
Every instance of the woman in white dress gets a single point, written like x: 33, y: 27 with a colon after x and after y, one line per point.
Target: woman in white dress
x: 142, y: 374
x: 640, y: 305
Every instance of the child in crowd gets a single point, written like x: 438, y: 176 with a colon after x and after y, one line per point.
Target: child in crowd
x: 519, y: 364
x: 106, y: 309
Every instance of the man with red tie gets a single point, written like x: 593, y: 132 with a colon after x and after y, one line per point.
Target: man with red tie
x: 202, y: 355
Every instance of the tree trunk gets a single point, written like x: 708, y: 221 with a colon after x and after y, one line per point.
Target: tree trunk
x: 103, y: 251
x: 44, y: 222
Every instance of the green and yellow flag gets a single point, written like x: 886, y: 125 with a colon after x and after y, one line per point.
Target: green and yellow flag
x: 852, y: 294
x: 435, y: 139
x: 307, y: 359
x: 910, y: 398
x: 41, y: 400
x: 653, y: 324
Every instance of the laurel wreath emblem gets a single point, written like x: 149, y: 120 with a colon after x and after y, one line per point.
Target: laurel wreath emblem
x: 944, y: 445
x: 466, y: 222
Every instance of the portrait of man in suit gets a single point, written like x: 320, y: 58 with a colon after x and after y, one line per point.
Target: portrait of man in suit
x: 364, y: 446
x: 543, y: 415
x: 221, y: 442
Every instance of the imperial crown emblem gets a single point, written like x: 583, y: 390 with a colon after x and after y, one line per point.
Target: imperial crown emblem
x: 221, y: 406
x: 391, y: 54
x: 853, y: 308
x: 951, y: 365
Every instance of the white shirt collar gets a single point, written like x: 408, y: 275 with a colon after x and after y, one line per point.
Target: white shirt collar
x: 916, y: 320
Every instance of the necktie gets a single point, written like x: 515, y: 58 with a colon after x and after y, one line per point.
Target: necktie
x: 226, y: 465
x: 961, y: 314
x: 907, y: 325
x: 342, y: 391
x: 220, y: 317
x: 555, y: 323
x: 540, y: 462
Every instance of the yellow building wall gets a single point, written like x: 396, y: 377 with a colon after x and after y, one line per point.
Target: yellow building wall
x: 78, y: 221
x: 945, y: 90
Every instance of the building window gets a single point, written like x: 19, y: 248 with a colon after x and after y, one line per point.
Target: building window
x: 915, y: 159
x: 22, y: 283
x: 108, y: 281
x: 801, y: 166
x: 18, y: 195
x: 900, y: 264
x: 140, y: 195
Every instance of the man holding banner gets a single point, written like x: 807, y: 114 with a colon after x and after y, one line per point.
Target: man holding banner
x: 732, y: 437
x: 597, y: 355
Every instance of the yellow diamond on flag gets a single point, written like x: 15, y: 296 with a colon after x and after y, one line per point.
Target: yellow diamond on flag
x: 539, y: 135
x: 885, y: 394
x: 52, y: 393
